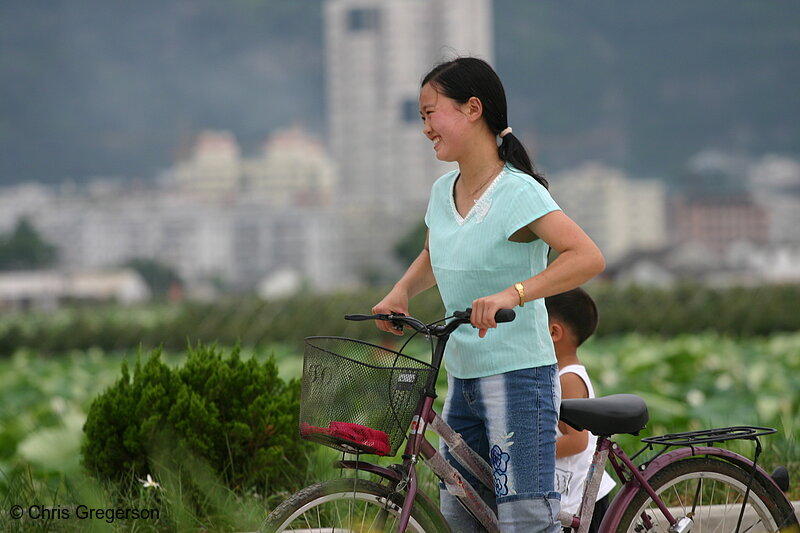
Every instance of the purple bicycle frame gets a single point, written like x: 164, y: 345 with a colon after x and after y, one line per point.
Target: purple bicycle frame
x: 417, y: 446
x: 606, y: 449
x: 454, y: 483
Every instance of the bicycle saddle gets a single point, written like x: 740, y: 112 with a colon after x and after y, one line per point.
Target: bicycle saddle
x: 606, y: 416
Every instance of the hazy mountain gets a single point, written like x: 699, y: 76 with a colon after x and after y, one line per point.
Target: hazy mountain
x: 115, y: 87
x: 647, y: 84
x: 108, y: 87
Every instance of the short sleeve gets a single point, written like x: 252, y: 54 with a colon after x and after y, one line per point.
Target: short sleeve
x: 438, y: 199
x: 530, y: 201
x: 428, y: 212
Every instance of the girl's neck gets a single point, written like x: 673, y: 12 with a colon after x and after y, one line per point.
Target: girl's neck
x: 480, y: 160
x: 480, y: 176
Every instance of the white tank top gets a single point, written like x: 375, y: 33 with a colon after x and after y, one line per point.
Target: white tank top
x: 571, y: 471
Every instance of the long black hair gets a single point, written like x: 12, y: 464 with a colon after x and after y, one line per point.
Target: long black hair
x: 462, y: 78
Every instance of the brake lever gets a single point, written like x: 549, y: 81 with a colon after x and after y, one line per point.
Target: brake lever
x: 397, y: 326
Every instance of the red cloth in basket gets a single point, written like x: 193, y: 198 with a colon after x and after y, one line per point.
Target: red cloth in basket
x: 358, y: 435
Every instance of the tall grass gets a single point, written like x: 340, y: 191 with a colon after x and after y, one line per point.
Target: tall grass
x: 84, y: 504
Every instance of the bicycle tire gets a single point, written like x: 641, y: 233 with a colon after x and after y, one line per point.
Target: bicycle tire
x: 721, y: 491
x: 337, y: 505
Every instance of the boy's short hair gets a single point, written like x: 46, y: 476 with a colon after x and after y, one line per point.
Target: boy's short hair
x: 576, y: 309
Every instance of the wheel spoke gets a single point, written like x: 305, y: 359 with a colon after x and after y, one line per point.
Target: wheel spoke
x: 711, y: 493
x: 698, y: 494
x: 337, y: 507
x: 338, y: 516
x: 350, y: 512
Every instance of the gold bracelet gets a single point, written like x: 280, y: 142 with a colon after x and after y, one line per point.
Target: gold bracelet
x: 521, y: 291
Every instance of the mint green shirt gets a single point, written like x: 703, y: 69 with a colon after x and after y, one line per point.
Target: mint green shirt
x: 472, y: 257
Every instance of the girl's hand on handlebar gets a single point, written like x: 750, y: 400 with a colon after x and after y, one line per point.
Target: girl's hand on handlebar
x: 392, y: 304
x: 484, y: 309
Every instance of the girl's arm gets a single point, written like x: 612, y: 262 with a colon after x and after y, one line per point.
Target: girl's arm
x: 418, y: 278
x: 578, y: 261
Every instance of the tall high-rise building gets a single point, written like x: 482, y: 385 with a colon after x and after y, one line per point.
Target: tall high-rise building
x: 376, y: 53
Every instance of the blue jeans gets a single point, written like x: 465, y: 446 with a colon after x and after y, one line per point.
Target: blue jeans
x: 510, y: 419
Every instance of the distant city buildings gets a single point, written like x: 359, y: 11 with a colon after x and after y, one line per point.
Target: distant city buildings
x: 620, y: 214
x: 376, y: 53
x: 774, y: 184
x: 23, y: 291
x: 215, y: 165
x: 293, y: 169
x: 718, y: 222
x: 303, y: 212
x: 295, y: 210
x: 272, y: 223
x: 270, y: 213
x: 747, y: 232
x: 217, y: 218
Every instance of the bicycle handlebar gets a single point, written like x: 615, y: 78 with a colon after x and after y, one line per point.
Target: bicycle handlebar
x: 460, y: 317
x: 501, y: 316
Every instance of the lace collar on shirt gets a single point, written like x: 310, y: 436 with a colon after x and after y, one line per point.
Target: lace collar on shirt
x: 482, y: 204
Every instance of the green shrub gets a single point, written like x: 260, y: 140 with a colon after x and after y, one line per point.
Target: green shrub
x: 234, y: 417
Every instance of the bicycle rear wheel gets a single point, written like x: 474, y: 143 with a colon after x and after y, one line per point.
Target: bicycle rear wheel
x: 349, y: 505
x: 710, y: 492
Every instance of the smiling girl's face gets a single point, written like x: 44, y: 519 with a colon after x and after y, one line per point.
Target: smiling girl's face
x: 446, y: 123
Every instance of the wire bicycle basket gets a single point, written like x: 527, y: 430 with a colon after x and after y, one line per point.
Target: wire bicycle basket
x: 357, y: 397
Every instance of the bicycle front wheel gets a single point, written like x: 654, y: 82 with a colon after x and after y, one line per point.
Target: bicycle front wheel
x: 710, y: 492
x: 348, y: 505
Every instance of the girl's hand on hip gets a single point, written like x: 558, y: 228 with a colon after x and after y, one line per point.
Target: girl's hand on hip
x: 484, y: 309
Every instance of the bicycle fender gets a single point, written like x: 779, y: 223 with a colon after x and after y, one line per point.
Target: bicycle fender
x: 626, y: 494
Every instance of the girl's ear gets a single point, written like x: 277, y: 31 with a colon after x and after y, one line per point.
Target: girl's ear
x: 474, y: 108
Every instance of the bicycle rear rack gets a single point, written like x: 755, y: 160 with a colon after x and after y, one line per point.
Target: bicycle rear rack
x: 705, y: 436
x: 710, y: 436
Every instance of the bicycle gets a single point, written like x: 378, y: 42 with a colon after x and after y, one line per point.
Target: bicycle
x: 689, y: 484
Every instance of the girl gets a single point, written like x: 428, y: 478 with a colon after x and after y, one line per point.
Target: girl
x: 490, y: 224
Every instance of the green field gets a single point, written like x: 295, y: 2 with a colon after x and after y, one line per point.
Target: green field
x: 689, y: 382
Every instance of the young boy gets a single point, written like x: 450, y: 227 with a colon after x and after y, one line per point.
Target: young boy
x: 572, y: 318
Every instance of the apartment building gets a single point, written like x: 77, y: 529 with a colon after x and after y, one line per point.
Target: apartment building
x: 376, y: 54
x: 619, y: 213
x: 215, y: 217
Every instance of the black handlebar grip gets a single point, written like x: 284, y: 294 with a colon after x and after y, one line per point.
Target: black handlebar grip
x: 360, y: 317
x: 502, y: 315
x: 505, y: 315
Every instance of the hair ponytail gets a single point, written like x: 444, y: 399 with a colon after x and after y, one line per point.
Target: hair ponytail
x: 512, y: 151
x: 465, y: 77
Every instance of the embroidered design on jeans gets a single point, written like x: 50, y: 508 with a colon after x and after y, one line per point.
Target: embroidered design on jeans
x: 499, y: 460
